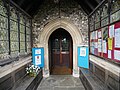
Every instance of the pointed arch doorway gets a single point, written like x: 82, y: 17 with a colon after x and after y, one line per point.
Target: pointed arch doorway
x: 60, y: 52
x: 44, y: 37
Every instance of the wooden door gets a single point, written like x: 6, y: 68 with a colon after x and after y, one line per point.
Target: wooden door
x: 61, y: 53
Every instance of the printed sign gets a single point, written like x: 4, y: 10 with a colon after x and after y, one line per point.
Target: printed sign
x: 83, y: 52
x: 83, y: 55
x: 38, y: 60
x: 38, y: 56
x: 38, y: 51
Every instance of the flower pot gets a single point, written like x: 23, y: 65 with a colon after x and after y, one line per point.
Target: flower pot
x: 32, y: 74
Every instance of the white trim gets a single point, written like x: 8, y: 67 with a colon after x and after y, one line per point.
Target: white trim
x: 7, y: 69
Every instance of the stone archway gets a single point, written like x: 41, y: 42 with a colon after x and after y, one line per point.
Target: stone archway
x: 44, y: 37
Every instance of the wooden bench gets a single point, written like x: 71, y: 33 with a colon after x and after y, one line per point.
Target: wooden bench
x: 30, y: 83
x: 90, y: 81
x: 7, y: 61
x: 34, y: 84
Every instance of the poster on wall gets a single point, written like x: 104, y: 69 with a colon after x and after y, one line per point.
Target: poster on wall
x: 110, y: 43
x: 117, y: 55
x: 104, y: 46
x: 83, y: 52
x: 38, y: 51
x: 107, y: 42
x: 99, y: 45
x: 109, y: 54
x: 38, y: 60
x: 96, y: 35
x: 99, y: 34
x: 92, y: 47
x: 117, y: 38
x: 96, y: 44
x: 38, y: 56
x: 83, y: 56
x: 111, y: 31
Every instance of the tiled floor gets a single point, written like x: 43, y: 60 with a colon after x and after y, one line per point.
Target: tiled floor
x: 61, y: 82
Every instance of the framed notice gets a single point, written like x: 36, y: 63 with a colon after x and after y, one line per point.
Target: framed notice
x: 38, y: 56
x: 83, y: 55
x: 83, y: 52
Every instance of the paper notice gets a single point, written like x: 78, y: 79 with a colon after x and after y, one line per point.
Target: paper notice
x: 96, y: 44
x: 96, y: 35
x: 99, y: 45
x: 99, y: 34
x: 38, y: 51
x: 111, y: 31
x: 109, y: 54
x: 38, y: 60
x: 117, y: 38
x: 110, y: 43
x: 83, y: 52
x: 104, y: 46
x: 116, y: 54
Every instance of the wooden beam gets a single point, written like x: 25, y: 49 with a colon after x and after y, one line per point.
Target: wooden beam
x: 98, y: 1
x: 97, y: 7
x: 20, y: 2
x: 89, y: 4
x: 31, y: 5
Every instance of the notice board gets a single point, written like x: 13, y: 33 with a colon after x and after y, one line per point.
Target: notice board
x: 83, y: 56
x: 105, y: 42
x: 38, y: 56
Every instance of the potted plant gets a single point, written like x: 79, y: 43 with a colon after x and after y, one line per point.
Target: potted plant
x: 32, y: 70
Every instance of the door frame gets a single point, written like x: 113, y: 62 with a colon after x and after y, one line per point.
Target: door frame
x: 44, y: 38
x: 52, y: 37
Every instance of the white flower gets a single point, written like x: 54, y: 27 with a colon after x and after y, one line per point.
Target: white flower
x: 36, y: 66
x: 32, y: 69
x: 32, y: 66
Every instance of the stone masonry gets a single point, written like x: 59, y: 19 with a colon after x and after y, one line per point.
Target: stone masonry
x: 53, y: 9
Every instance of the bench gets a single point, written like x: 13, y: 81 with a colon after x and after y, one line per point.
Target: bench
x: 90, y: 81
x: 7, y: 61
x: 30, y: 83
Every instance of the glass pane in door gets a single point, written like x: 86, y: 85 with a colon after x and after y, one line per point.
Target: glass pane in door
x: 65, y: 44
x: 56, y: 45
